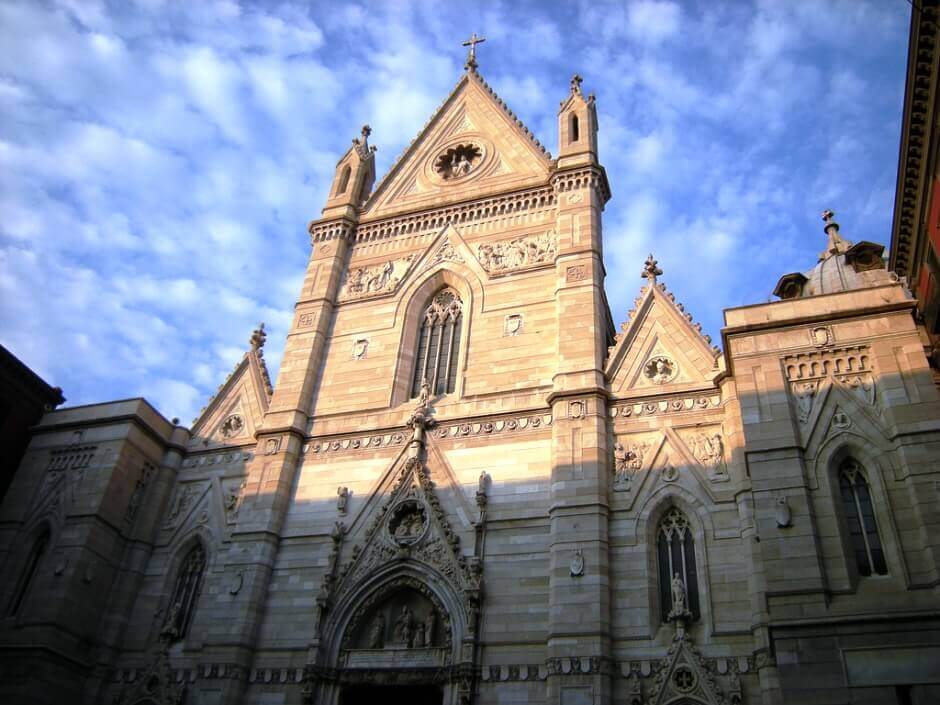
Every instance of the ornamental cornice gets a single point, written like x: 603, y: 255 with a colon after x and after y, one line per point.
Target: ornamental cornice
x: 918, y: 128
x: 326, y: 230
x: 593, y: 177
x: 485, y: 209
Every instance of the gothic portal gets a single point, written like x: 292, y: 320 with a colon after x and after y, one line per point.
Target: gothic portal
x: 468, y: 486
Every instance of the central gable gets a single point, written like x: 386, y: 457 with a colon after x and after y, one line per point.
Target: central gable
x: 473, y: 146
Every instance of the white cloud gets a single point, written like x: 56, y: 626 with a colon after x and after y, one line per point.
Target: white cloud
x: 652, y: 21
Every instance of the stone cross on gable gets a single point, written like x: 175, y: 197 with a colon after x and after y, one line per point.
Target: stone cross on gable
x: 651, y: 270
x: 472, y: 53
x: 258, y: 337
x: 576, y: 82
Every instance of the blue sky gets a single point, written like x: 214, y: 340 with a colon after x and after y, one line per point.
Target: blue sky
x: 159, y: 161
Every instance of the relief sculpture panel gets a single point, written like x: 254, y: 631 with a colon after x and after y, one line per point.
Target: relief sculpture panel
x: 374, y: 280
x: 498, y: 257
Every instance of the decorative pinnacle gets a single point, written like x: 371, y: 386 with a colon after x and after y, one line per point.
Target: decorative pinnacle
x: 362, y: 145
x: 836, y: 244
x: 576, y: 82
x: 258, y: 337
x: 651, y: 270
x: 366, y: 131
x: 471, y: 63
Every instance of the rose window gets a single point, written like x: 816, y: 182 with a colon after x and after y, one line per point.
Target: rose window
x: 458, y: 161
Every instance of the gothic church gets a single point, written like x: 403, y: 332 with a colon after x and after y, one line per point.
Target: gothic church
x: 468, y: 485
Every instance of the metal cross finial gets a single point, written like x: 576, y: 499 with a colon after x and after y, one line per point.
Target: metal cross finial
x: 576, y: 81
x: 828, y: 217
x: 472, y: 53
x: 258, y: 337
x: 651, y: 270
x: 366, y: 131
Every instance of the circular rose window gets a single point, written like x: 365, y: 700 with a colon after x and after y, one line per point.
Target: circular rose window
x: 458, y: 161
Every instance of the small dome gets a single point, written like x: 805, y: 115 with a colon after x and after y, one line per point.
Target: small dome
x: 842, y: 266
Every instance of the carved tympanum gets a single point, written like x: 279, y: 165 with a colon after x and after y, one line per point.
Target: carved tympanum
x: 408, y: 523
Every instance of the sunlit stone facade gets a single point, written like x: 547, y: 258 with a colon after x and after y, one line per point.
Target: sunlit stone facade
x: 468, y: 486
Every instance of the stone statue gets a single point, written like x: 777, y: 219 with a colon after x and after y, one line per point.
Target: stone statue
x: 483, y: 482
x: 377, y: 632
x: 342, y: 499
x: 430, y: 623
x: 404, y: 627
x: 425, y: 395
x: 678, y: 596
x: 171, y: 626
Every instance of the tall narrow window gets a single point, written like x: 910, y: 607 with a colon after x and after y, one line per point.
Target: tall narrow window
x: 575, y: 133
x: 860, y: 517
x: 676, y: 552
x: 343, y: 181
x: 29, y: 571
x: 185, y: 592
x: 439, y: 344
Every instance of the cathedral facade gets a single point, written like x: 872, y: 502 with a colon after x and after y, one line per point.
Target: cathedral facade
x: 469, y: 486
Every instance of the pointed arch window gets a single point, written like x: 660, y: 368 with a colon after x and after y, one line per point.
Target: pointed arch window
x: 185, y: 593
x: 860, y: 517
x: 29, y: 571
x: 343, y: 180
x: 676, y: 553
x: 438, y: 346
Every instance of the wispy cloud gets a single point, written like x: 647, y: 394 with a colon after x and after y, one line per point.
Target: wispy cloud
x: 160, y: 161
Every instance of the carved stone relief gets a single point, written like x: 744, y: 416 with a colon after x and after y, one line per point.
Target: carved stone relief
x: 360, y: 348
x: 707, y: 446
x: 518, y: 253
x: 445, y: 253
x: 233, y: 501
x: 513, y: 324
x: 140, y: 489
x: 576, y: 273
x: 628, y: 459
x: 374, y: 280
x: 848, y: 367
x: 186, y: 496
x: 458, y: 161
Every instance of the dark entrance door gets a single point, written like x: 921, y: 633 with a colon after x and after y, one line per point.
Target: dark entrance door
x: 391, y: 695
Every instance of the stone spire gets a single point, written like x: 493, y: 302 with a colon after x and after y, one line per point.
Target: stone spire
x: 471, y: 63
x: 836, y: 244
x: 651, y: 269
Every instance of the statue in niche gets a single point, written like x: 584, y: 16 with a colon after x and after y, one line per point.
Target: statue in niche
x: 805, y: 393
x: 626, y: 462
x: 430, y: 624
x: 377, y: 632
x: 171, y: 626
x: 679, y: 608
x: 404, y: 627
x: 342, y: 499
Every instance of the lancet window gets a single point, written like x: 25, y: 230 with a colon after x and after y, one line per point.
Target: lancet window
x: 439, y: 344
x: 860, y: 517
x: 185, y: 592
x: 29, y: 571
x: 676, y: 554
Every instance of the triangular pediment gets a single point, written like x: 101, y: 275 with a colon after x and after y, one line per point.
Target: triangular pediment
x: 683, y: 676
x: 237, y: 409
x: 660, y: 350
x: 508, y: 158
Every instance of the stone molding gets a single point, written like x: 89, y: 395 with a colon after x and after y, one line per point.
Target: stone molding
x: 516, y: 423
x: 668, y: 405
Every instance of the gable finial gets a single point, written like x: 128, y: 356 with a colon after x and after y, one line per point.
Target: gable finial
x: 651, y: 269
x: 471, y: 63
x: 258, y: 337
x: 576, y: 82
x: 362, y: 145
